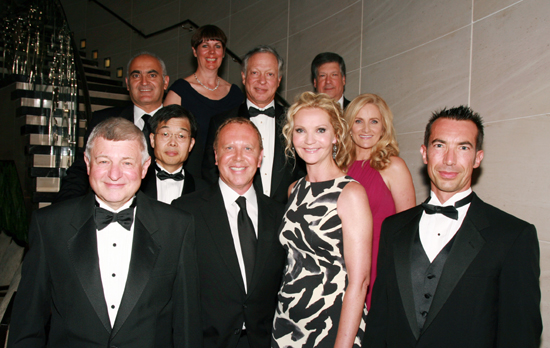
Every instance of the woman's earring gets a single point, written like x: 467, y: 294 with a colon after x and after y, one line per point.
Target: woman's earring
x: 334, y: 149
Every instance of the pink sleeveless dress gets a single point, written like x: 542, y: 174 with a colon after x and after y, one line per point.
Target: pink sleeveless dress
x: 381, y: 205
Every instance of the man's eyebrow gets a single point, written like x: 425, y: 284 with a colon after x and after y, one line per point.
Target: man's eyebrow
x: 152, y: 71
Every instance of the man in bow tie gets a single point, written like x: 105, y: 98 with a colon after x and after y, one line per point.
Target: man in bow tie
x: 173, y: 133
x: 261, y: 75
x: 146, y: 82
x: 109, y: 269
x: 455, y: 271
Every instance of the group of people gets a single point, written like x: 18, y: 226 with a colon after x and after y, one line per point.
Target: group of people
x: 348, y: 262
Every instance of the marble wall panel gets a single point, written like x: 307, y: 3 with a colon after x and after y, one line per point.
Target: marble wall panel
x: 511, y: 62
x: 148, y: 22
x: 205, y: 11
x: 240, y: 5
x: 76, y: 14
x: 262, y: 23
x: 514, y: 172
x: 97, y: 16
x: 109, y: 39
x: 339, y: 34
x: 416, y: 83
x: 144, y: 7
x: 392, y: 27
x: 352, y: 89
x: 483, y: 8
x: 307, y: 13
x: 409, y: 151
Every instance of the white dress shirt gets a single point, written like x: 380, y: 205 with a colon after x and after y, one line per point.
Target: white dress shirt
x: 266, y: 126
x: 138, y: 113
x: 436, y: 230
x: 168, y: 189
x: 341, y: 101
x: 114, y: 249
x: 232, y: 209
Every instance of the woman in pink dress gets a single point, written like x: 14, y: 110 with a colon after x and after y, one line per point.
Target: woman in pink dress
x: 376, y: 165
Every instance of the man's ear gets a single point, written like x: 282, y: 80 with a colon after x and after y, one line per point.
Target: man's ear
x: 424, y: 153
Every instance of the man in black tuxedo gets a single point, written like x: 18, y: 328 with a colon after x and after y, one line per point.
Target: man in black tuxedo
x: 328, y: 75
x: 240, y: 258
x: 146, y: 81
x: 109, y: 269
x: 173, y: 134
x: 261, y: 74
x: 455, y: 271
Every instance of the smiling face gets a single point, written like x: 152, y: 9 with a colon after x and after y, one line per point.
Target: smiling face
x: 313, y: 136
x: 145, y: 82
x: 172, y: 143
x: 115, y: 170
x: 330, y: 80
x: 451, y: 156
x: 366, y: 129
x: 238, y: 156
x: 261, y: 79
x: 209, y: 54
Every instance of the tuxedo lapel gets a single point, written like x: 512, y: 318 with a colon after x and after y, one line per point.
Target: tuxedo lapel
x: 144, y: 255
x: 188, y: 183
x: 402, y: 258
x: 221, y: 232
x: 128, y: 113
x: 266, y: 237
x: 468, y: 242
x: 279, y: 155
x: 149, y: 183
x: 83, y: 252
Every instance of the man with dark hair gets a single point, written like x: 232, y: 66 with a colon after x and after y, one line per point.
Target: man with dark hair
x: 146, y: 81
x: 261, y: 74
x: 173, y: 133
x: 455, y: 271
x: 328, y: 75
x: 240, y: 258
x: 109, y: 269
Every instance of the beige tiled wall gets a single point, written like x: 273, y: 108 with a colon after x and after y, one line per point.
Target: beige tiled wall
x: 419, y: 55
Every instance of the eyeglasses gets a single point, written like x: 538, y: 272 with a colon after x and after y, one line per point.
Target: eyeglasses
x: 166, y: 136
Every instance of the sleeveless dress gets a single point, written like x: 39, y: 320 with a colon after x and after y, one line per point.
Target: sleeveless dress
x: 315, y: 278
x: 381, y: 205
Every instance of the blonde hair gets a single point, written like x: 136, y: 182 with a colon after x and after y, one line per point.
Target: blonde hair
x: 387, y: 145
x: 309, y: 100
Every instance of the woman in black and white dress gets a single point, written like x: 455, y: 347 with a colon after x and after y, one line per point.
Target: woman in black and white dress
x: 322, y: 297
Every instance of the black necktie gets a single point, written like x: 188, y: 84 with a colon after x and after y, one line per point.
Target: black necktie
x: 252, y: 111
x: 247, y: 237
x: 449, y: 210
x: 146, y: 127
x: 163, y: 175
x: 104, y: 217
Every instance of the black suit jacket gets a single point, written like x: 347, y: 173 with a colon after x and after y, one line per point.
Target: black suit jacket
x: 225, y: 305
x: 76, y: 182
x: 285, y: 172
x: 149, y: 183
x: 346, y: 103
x: 488, y: 294
x: 61, y: 284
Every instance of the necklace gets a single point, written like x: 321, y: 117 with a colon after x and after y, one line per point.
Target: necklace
x: 210, y: 89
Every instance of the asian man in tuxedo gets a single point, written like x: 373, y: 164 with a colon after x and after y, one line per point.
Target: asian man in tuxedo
x: 240, y: 258
x: 108, y: 269
x: 455, y: 271
x: 146, y: 81
x: 173, y: 133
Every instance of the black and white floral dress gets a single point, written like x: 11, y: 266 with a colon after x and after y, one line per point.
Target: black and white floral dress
x: 315, y: 278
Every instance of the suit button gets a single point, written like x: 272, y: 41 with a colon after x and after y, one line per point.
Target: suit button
x: 237, y: 331
x: 245, y: 306
x: 424, y: 314
x: 431, y: 276
x: 427, y: 295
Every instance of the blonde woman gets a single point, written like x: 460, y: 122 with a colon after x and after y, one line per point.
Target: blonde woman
x: 326, y: 232
x: 376, y: 166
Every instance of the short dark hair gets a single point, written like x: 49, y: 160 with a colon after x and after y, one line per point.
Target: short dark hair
x: 460, y: 113
x: 173, y: 111
x: 206, y: 33
x: 326, y: 57
x: 239, y: 120
x: 263, y: 49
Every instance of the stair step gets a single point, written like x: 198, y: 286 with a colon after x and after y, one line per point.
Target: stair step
x: 96, y: 71
x: 104, y: 81
x: 98, y: 87
x: 90, y: 62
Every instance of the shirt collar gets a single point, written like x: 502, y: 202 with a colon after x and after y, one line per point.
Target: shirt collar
x: 341, y: 101
x: 249, y: 104
x: 139, y: 112
x: 230, y: 196
x: 451, y: 201
x: 106, y: 207
x: 167, y: 171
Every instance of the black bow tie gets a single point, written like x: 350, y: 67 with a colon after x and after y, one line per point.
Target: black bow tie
x: 449, y: 210
x: 104, y: 217
x: 252, y: 111
x: 163, y: 175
